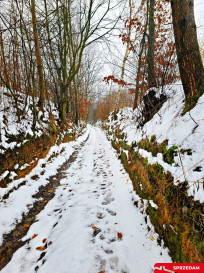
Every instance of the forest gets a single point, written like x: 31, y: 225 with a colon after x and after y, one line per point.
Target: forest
x: 101, y: 135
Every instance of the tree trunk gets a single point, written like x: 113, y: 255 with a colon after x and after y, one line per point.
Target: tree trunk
x: 139, y: 68
x: 37, y: 54
x: 127, y: 52
x: 150, y: 54
x: 187, y: 48
x: 142, y: 45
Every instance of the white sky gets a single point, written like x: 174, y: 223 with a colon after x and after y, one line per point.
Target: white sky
x: 199, y: 15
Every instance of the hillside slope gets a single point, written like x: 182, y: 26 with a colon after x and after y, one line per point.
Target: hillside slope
x: 165, y: 161
x: 184, y: 133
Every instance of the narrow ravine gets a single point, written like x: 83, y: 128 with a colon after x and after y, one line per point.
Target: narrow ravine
x: 91, y: 224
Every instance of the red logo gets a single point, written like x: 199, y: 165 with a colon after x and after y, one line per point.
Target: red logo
x: 179, y: 268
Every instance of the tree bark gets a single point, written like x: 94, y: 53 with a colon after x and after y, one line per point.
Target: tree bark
x: 187, y: 48
x: 141, y: 51
x: 37, y: 54
x: 150, y: 54
x: 125, y: 58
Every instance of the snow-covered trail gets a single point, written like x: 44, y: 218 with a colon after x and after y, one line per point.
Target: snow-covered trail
x: 81, y: 223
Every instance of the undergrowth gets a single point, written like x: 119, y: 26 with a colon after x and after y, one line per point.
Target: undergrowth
x: 178, y: 219
x: 24, y: 157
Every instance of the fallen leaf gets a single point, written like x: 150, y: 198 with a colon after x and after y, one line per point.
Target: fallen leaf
x: 35, y: 235
x: 44, y: 201
x: 44, y: 240
x: 101, y: 272
x: 70, y: 190
x: 40, y: 248
x: 152, y: 238
x: 95, y: 228
x: 115, y: 214
x: 121, y: 170
x: 120, y: 235
x: 25, y: 225
x: 100, y: 217
x: 116, y: 223
x: 50, y: 191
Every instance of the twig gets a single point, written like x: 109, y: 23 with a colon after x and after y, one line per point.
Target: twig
x: 182, y: 165
x: 193, y: 119
x: 190, y: 168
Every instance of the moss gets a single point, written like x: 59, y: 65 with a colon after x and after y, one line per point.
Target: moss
x: 113, y: 144
x: 153, y: 138
x: 134, y: 144
x: 152, y: 146
x: 189, y: 152
x: 190, y: 101
x: 152, y: 182
x: 162, y: 146
x: 145, y: 160
x: 198, y: 240
x: 157, y: 170
x: 124, y: 145
x: 124, y: 160
x: 109, y: 133
x: 171, y: 238
x: 168, y: 155
x: 135, y: 154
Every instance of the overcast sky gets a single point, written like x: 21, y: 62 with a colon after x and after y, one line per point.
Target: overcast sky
x: 199, y: 15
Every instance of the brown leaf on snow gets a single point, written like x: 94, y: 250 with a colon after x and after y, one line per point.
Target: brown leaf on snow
x: 70, y: 190
x: 99, y: 217
x: 94, y: 228
x: 35, y: 235
x: 120, y: 235
x: 44, y: 240
x: 40, y: 248
x: 101, y: 272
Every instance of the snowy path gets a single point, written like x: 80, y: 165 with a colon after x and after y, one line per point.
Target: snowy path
x: 96, y: 193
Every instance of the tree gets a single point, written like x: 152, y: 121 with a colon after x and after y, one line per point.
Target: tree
x: 187, y: 48
x: 152, y: 58
x: 74, y: 26
x: 38, y: 56
x: 151, y: 48
x: 125, y: 58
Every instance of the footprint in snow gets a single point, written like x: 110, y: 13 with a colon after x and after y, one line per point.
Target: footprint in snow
x: 111, y: 212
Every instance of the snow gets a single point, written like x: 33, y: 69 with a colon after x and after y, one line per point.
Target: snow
x: 153, y: 204
x: 4, y: 175
x: 20, y: 200
x: 100, y: 187
x: 10, y: 126
x: 186, y: 132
